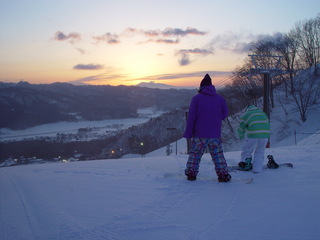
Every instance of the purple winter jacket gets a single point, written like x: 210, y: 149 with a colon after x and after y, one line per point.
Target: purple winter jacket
x: 206, y: 112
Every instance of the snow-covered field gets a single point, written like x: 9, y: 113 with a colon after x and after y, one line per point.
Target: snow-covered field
x: 101, y: 127
x: 149, y: 198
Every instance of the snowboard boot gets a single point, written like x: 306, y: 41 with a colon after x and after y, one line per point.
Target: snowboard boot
x: 271, y: 163
x: 224, y: 178
x: 191, y: 177
x: 247, y: 165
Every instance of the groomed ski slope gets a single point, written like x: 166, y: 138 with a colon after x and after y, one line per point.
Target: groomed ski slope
x: 149, y: 198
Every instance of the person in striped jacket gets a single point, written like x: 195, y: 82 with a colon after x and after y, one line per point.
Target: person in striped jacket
x: 255, y: 124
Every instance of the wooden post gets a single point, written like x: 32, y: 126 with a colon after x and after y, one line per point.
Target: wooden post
x: 188, y: 139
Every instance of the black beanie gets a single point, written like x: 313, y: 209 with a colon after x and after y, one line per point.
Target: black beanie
x: 206, y: 81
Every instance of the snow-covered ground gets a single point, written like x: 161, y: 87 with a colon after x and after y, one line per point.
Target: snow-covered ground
x: 149, y: 198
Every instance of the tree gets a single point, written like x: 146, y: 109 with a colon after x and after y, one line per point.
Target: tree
x: 307, y: 92
x: 287, y: 46
x: 308, y: 35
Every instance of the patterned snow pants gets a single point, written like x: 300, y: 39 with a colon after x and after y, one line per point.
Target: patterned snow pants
x: 197, y: 149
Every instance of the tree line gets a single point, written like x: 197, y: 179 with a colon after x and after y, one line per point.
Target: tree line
x: 297, y: 53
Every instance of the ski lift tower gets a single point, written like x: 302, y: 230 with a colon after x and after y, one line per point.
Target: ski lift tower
x: 260, y: 67
x: 267, y: 73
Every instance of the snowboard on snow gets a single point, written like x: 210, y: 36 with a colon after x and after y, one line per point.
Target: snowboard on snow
x: 203, y: 178
x: 266, y: 166
x: 281, y: 165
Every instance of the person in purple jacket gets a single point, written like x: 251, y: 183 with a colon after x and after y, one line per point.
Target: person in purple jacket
x: 206, y: 112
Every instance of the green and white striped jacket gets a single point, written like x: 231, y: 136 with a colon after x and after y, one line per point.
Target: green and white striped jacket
x: 255, y: 122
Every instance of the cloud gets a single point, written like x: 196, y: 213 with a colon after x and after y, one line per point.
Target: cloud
x: 84, y: 81
x: 184, y: 55
x: 163, y: 36
x: 101, y: 79
x: 80, y: 50
x: 108, y: 38
x: 242, y: 47
x: 169, y: 77
x: 167, y: 32
x: 151, y: 33
x: 184, y: 59
x: 71, y: 37
x: 166, y: 41
x: 215, y: 75
x: 238, y: 43
x: 245, y: 43
x: 196, y: 51
x: 88, y: 67
x: 181, y: 32
x: 154, y: 35
x: 104, y: 78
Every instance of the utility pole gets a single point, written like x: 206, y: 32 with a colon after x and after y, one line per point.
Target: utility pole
x: 267, y: 73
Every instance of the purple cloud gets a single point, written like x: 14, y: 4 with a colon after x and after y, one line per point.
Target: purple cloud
x: 166, y: 41
x: 196, y: 51
x: 88, y: 67
x: 184, y: 55
x: 71, y: 37
x: 108, y: 38
x: 184, y: 59
x: 163, y: 36
x: 181, y: 32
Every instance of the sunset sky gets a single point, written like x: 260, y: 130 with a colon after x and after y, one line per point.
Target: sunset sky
x: 131, y: 41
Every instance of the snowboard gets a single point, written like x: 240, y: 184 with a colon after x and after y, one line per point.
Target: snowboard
x: 281, y: 165
x: 203, y: 178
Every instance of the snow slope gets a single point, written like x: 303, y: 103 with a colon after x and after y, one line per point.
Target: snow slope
x: 149, y: 198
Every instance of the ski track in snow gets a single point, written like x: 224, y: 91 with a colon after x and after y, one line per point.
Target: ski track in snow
x: 26, y: 213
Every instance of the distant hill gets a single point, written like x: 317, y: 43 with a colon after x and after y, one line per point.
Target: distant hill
x: 24, y: 105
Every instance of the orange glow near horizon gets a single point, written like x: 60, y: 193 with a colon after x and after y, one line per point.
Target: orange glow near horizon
x: 103, y: 79
x: 181, y: 82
